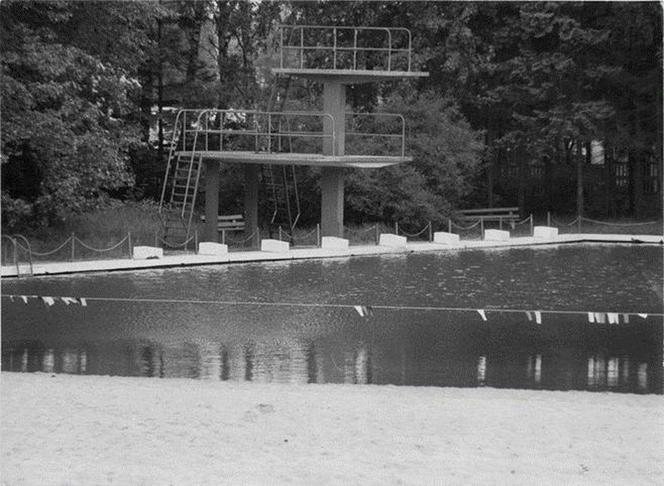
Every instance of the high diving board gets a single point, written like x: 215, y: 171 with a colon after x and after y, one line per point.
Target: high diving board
x: 317, y: 160
x: 349, y: 76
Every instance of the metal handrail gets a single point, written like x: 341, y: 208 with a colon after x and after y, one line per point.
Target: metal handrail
x: 266, y: 130
x: 15, y: 252
x: 334, y: 48
x: 383, y: 135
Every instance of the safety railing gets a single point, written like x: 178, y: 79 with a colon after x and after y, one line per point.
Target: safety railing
x: 387, y: 131
x: 219, y: 130
x: 345, y: 48
x: 216, y: 130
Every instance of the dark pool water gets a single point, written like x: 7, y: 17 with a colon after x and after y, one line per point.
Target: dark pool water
x: 310, y: 344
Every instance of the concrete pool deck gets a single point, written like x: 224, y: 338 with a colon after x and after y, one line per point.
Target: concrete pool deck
x: 185, y: 260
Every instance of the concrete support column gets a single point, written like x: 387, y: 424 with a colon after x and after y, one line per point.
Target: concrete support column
x: 332, y: 201
x: 251, y: 203
x: 332, y: 178
x: 211, y: 200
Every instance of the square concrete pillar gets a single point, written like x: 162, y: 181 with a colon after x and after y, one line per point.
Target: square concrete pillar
x: 334, y: 243
x: 275, y: 246
x: 545, y: 232
x: 496, y: 235
x: 445, y: 238
x: 212, y: 248
x: 211, y: 200
x: 147, y: 252
x: 332, y: 201
x: 388, y: 239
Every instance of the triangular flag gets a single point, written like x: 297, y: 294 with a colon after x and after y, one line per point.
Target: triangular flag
x: 613, y: 318
x: 84, y: 303
x: 538, y: 317
x: 599, y: 317
x: 645, y: 316
x: 25, y: 299
x: 368, y: 310
x: 358, y: 308
x: 49, y: 301
x: 69, y: 300
x: 529, y: 316
x: 626, y: 318
x: 481, y: 312
x: 591, y: 317
x: 11, y: 298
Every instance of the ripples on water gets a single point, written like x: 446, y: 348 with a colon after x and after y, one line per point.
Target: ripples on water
x: 336, y: 345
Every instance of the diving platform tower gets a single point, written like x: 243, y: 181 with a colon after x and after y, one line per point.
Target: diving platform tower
x: 332, y: 140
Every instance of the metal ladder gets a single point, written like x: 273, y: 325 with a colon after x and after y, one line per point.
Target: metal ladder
x: 281, y: 181
x: 183, y: 172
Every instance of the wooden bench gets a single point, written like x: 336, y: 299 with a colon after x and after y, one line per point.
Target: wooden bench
x: 230, y: 222
x: 508, y: 215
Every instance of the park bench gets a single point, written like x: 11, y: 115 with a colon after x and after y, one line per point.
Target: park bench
x: 508, y: 215
x: 229, y: 222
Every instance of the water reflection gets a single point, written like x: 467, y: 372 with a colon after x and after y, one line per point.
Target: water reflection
x: 531, y: 358
x: 335, y: 345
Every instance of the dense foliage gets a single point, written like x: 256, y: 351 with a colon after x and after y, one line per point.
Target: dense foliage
x: 511, y: 83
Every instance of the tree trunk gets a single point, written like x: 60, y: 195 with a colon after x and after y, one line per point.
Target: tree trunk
x: 521, y: 160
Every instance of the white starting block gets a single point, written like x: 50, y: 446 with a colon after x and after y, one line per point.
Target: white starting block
x: 275, y: 246
x: 496, y: 235
x: 445, y: 238
x: 212, y: 248
x: 147, y: 252
x: 545, y: 232
x: 388, y: 239
x: 334, y: 243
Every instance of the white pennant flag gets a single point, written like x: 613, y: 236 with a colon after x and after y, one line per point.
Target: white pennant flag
x: 11, y: 298
x: 69, y: 300
x: 25, y: 299
x: 599, y: 317
x: 591, y: 317
x: 626, y: 318
x: 358, y: 308
x: 49, y: 301
x: 481, y: 312
x: 84, y: 303
x: 538, y: 317
x: 645, y: 316
x: 529, y: 316
x: 613, y: 318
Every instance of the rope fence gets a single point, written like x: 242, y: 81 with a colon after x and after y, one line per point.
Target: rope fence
x: 428, y: 227
x: 333, y: 305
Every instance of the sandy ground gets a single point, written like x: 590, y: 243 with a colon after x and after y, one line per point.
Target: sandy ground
x: 85, y: 430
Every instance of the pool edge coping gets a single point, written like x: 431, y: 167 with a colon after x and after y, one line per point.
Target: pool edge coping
x: 255, y: 256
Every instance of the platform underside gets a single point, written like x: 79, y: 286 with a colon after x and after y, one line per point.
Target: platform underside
x: 349, y: 76
x: 316, y: 160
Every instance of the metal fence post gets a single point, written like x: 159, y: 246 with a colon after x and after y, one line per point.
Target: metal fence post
x: 196, y: 241
x: 449, y: 225
x: 318, y: 242
x: 548, y: 218
x: 430, y: 232
x: 129, y: 243
x: 482, y: 227
x: 578, y: 223
x: 377, y: 233
x: 279, y: 233
x: 73, y: 246
x: 500, y: 222
x: 531, y: 225
x: 396, y: 228
x: 156, y: 239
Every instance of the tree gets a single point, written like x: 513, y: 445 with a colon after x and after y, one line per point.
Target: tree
x: 69, y: 116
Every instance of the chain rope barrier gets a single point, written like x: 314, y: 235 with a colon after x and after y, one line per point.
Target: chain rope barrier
x: 583, y: 218
x: 48, y: 253
x: 558, y: 223
x: 241, y: 240
x: 399, y: 230
x: 101, y: 250
x: 476, y: 223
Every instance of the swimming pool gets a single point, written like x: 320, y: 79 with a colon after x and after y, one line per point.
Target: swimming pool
x: 311, y: 332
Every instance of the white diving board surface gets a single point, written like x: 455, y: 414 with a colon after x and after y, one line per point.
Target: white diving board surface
x: 282, y: 158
